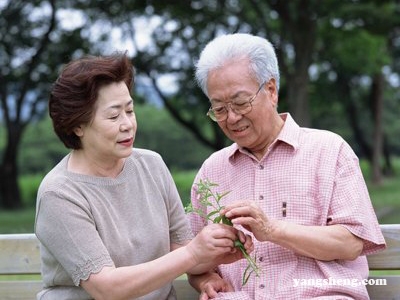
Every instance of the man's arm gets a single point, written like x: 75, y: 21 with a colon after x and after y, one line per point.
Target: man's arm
x: 318, y: 242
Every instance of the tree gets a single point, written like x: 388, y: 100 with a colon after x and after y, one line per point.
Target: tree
x: 30, y: 54
x: 366, y: 38
x: 304, y: 32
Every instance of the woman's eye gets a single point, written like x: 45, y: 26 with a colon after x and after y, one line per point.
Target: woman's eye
x: 114, y: 117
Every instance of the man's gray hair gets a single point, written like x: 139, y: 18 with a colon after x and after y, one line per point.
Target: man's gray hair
x: 224, y: 48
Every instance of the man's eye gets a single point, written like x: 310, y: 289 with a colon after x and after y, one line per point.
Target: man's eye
x: 240, y: 103
x: 219, y: 110
x: 114, y: 117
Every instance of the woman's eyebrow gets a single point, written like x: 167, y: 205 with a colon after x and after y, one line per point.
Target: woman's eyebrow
x: 119, y: 106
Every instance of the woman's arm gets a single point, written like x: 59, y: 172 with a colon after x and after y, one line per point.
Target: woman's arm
x: 212, y: 243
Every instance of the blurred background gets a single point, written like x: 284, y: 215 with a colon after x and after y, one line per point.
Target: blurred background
x: 339, y: 62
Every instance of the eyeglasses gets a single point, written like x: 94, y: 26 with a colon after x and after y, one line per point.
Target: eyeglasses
x: 240, y: 107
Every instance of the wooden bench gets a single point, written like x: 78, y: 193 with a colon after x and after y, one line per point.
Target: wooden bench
x: 19, y: 255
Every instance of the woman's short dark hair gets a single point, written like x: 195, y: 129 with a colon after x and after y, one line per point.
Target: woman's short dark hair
x: 74, y: 94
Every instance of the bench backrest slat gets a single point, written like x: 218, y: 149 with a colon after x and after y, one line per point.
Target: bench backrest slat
x: 388, y: 259
x: 19, y: 254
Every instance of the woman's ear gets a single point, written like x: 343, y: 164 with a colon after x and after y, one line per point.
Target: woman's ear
x: 78, y: 131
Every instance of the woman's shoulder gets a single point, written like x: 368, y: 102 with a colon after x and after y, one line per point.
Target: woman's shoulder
x: 55, y: 178
x: 144, y: 153
x: 146, y: 157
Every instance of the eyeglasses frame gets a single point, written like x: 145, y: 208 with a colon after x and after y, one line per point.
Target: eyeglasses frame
x: 227, y: 106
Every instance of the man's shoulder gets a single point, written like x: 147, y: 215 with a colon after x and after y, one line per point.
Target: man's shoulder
x: 321, y: 136
x: 223, y: 153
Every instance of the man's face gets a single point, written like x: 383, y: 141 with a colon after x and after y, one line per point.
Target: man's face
x: 232, y: 82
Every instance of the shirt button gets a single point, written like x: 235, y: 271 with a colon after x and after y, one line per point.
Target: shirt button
x: 262, y: 286
x: 261, y: 167
x: 260, y: 258
x: 261, y: 197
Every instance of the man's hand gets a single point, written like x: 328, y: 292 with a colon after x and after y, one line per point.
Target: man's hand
x: 209, y: 285
x: 251, y: 217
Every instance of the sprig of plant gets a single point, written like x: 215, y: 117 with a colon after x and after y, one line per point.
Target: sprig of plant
x: 204, y: 190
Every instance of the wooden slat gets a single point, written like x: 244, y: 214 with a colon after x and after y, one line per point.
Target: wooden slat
x: 21, y: 290
x: 390, y: 291
x: 19, y: 254
x: 389, y: 259
x: 27, y: 290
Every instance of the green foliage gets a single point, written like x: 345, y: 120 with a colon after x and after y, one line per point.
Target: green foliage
x: 41, y: 149
x: 184, y: 181
x: 209, y: 198
x: 385, y: 199
x: 158, y: 131
x: 29, y: 185
x: 18, y: 221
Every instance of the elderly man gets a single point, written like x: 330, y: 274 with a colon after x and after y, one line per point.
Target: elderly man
x: 298, y: 191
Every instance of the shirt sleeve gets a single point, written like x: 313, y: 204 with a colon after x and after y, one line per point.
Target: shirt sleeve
x: 64, y: 226
x: 233, y: 296
x: 351, y: 206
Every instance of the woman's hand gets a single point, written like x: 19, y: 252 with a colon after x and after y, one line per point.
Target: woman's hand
x: 215, y: 245
x: 212, y: 242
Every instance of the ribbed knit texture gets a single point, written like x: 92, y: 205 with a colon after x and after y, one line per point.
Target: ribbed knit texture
x: 85, y: 223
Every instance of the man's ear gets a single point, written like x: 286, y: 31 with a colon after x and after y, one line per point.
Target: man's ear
x: 272, y: 90
x: 78, y: 131
x: 270, y: 86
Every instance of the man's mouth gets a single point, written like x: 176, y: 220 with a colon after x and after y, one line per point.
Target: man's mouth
x: 240, y: 129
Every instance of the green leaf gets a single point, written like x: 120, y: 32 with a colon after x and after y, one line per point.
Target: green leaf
x: 217, y: 219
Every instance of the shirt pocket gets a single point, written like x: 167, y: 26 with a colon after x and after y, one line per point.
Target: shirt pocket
x: 303, y: 210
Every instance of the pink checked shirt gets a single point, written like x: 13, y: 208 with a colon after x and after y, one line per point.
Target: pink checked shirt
x: 308, y: 177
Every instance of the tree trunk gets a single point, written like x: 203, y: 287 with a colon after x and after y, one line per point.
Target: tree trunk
x: 298, y: 99
x: 9, y: 190
x: 377, y: 110
x: 388, y: 169
x: 352, y: 115
x: 299, y: 27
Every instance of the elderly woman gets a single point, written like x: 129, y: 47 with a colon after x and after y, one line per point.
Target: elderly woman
x: 109, y: 217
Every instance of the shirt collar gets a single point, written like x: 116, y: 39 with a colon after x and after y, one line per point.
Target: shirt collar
x: 289, y: 134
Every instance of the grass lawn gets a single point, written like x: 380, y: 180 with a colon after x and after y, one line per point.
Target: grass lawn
x: 20, y: 221
x: 385, y: 199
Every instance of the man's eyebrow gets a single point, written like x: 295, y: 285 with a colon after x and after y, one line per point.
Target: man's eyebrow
x: 234, y: 96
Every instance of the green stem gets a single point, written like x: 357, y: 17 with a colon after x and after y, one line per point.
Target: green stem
x: 251, y: 262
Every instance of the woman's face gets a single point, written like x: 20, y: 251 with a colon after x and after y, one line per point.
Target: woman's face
x: 112, y: 131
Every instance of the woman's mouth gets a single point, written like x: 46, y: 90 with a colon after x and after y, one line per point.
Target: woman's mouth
x: 126, y: 142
